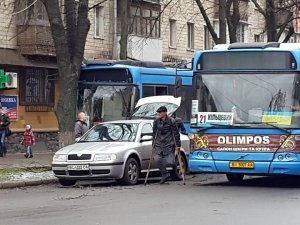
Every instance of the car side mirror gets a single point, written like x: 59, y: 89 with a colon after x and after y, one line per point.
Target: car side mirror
x: 146, y: 138
x: 77, y: 139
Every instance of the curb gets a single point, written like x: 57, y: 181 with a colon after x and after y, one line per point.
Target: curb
x: 19, y: 184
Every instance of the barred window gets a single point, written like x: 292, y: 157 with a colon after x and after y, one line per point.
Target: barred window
x: 36, y: 89
x: 145, y: 20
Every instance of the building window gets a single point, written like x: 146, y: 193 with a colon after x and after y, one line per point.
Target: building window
x: 145, y: 20
x: 190, y: 35
x: 99, y: 22
x: 37, y: 89
x: 256, y: 38
x: 172, y: 34
x: 208, y: 43
x: 240, y: 33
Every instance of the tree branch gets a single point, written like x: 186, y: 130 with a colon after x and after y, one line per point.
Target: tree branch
x: 284, y: 25
x: 289, y: 34
x: 207, y: 21
x: 100, y: 3
x: 259, y: 8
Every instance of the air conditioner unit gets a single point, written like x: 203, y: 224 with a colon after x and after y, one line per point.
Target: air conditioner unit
x: 12, y: 80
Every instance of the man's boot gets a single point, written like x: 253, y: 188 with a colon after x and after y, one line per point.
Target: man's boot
x: 165, y: 178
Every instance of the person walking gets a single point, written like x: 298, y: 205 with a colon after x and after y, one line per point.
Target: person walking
x: 4, y: 124
x: 165, y: 138
x: 81, y: 126
x: 28, y: 141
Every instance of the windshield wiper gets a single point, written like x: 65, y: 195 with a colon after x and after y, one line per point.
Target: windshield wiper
x: 218, y: 126
x: 269, y: 124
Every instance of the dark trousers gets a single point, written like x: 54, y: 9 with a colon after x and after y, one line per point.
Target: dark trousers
x: 2, y: 142
x: 163, y: 161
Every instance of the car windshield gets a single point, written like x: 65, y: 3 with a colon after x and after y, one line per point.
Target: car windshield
x: 107, y: 103
x: 149, y: 110
x: 247, y: 98
x: 111, y: 132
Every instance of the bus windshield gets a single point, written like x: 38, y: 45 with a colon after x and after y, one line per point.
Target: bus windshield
x: 248, y: 98
x: 106, y: 103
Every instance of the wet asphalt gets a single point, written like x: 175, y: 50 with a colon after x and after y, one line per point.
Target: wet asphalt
x: 205, y: 199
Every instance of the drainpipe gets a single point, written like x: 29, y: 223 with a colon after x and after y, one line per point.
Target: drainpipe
x: 115, y: 36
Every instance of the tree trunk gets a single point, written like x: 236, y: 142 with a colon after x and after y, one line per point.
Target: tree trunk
x: 270, y: 21
x: 69, y: 39
x: 232, y: 19
x: 222, y: 21
x: 124, y: 29
x: 66, y: 108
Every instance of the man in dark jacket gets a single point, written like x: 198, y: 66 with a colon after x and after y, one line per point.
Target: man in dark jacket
x: 4, y: 123
x: 165, y: 138
x: 81, y: 126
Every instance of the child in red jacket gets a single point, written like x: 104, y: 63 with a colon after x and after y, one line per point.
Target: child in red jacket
x: 28, y: 140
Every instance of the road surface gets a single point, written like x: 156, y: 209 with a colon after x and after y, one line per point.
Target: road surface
x: 206, y: 199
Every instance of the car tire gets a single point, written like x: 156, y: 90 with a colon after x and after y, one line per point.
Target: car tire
x: 235, y: 178
x: 175, y: 172
x: 131, y: 172
x: 67, y: 183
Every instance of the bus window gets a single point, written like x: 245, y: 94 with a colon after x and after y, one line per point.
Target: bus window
x: 148, y: 91
x: 160, y: 90
x: 184, y: 110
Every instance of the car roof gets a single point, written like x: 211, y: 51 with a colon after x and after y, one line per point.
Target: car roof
x: 130, y: 121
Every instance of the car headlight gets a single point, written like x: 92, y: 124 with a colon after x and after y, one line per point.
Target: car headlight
x: 60, y: 158
x: 104, y: 157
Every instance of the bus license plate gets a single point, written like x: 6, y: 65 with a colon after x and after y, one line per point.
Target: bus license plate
x: 78, y: 167
x: 241, y: 165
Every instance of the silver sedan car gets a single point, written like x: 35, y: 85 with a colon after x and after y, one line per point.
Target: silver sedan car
x: 118, y: 150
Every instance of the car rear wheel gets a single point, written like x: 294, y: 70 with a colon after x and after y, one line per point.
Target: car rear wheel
x: 235, y: 178
x: 131, y: 172
x: 67, y: 183
x: 176, y: 172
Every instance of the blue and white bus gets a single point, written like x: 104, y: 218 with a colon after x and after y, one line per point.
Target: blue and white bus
x: 110, y: 90
x: 246, y: 110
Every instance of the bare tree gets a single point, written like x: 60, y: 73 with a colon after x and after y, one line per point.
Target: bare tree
x: 69, y: 39
x: 279, y: 16
x: 228, y: 12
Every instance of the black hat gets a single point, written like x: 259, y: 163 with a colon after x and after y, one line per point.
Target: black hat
x: 162, y: 109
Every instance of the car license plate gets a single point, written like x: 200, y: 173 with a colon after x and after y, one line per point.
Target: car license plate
x: 241, y: 165
x: 78, y: 167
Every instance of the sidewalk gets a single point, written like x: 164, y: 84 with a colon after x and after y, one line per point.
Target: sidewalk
x: 40, y: 161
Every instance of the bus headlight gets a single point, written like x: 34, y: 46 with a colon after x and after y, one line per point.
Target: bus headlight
x: 280, y: 157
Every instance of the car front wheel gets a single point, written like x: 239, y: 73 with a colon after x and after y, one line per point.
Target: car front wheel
x: 67, y: 183
x: 131, y: 172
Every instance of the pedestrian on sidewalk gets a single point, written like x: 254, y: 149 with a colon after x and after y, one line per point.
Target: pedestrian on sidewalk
x: 28, y: 141
x: 166, y: 138
x: 4, y: 124
x: 81, y: 126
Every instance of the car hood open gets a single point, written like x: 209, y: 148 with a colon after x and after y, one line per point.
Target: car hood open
x: 147, y: 107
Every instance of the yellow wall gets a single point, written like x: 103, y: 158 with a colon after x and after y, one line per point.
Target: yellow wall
x: 40, y: 121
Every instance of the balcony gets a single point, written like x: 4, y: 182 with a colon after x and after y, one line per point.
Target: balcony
x: 35, y: 40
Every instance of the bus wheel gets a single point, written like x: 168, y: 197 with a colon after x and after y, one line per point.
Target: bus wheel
x: 235, y: 178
